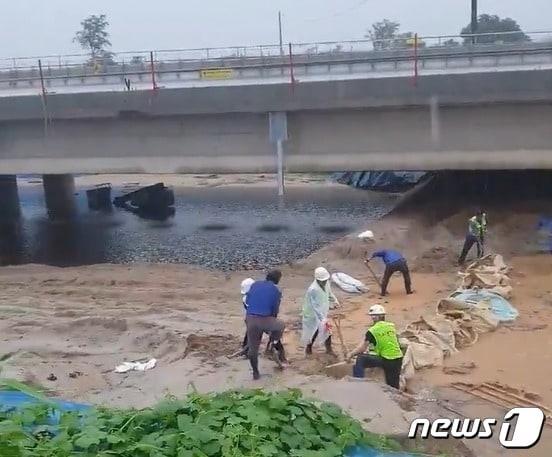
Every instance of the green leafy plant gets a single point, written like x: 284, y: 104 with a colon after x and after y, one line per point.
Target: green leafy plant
x: 233, y: 424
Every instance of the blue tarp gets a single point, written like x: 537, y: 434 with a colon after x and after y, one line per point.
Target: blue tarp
x: 389, y: 181
x: 501, y: 308
x: 373, y: 453
x: 13, y: 400
x: 10, y: 400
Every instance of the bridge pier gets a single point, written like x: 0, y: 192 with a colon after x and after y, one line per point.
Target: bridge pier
x: 278, y: 133
x: 59, y: 191
x: 9, y: 198
x: 280, y: 159
x: 435, y: 119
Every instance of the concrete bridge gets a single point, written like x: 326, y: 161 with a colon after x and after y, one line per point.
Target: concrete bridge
x: 463, y: 121
x: 436, y: 109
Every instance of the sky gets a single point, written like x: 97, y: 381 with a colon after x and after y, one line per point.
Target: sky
x: 47, y: 27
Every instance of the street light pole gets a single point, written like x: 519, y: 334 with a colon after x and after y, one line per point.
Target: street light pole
x: 473, y: 20
x: 280, y: 33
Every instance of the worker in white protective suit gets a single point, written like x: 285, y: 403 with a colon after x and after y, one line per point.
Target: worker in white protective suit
x: 244, y: 289
x: 316, y: 307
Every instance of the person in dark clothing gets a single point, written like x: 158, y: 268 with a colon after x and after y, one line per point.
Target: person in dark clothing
x: 468, y: 244
x: 394, y: 261
x: 263, y: 306
x: 387, y: 355
x: 477, y: 227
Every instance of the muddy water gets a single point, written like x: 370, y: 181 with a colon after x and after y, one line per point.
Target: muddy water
x: 225, y: 227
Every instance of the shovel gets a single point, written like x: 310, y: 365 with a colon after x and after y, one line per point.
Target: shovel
x: 339, y: 369
x: 336, y: 319
x: 378, y: 282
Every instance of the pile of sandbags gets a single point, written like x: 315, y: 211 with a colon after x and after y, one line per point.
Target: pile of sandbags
x: 477, y: 307
x: 490, y: 273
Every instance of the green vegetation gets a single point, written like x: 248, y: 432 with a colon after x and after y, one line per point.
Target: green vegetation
x: 233, y: 424
x: 491, y: 23
x: 94, y: 37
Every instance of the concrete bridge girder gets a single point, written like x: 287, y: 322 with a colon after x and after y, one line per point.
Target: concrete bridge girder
x: 416, y: 138
x: 477, y: 120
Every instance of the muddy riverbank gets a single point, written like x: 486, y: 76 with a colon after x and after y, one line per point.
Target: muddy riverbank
x: 78, y: 323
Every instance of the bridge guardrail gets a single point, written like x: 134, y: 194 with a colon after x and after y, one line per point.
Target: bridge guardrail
x: 16, y: 71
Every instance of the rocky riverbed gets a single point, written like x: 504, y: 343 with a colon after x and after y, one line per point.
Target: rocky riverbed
x: 225, y: 223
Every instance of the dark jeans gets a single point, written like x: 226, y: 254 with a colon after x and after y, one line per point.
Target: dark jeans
x: 256, y: 326
x: 399, y: 265
x: 482, y: 245
x: 245, y: 346
x: 327, y: 343
x: 468, y: 244
x: 391, y: 368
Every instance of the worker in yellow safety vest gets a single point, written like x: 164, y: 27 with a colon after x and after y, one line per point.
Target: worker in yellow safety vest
x: 387, y: 353
x: 477, y: 227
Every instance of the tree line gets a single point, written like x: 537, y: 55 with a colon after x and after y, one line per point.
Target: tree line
x: 490, y: 28
x: 94, y: 36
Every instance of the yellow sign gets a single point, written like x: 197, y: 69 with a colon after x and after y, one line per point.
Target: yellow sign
x: 415, y: 42
x: 217, y: 73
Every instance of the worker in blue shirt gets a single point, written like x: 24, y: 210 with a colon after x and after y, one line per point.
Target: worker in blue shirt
x: 394, y: 261
x: 263, y: 306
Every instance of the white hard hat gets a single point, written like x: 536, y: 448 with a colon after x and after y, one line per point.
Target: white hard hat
x: 367, y: 235
x: 376, y: 310
x: 246, y: 285
x: 321, y: 274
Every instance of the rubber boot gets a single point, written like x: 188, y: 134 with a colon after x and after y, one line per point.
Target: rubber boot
x: 281, y: 351
x: 328, y: 345
x: 272, y: 353
x: 278, y: 355
x: 254, y: 361
x: 308, y: 349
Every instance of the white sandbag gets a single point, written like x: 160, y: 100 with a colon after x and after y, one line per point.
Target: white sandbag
x: 408, y: 370
x: 125, y: 367
x: 425, y: 355
x: 349, y: 284
x: 367, y: 235
x: 489, y: 272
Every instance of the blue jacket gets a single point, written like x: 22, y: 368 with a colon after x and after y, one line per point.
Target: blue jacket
x: 263, y: 299
x: 388, y: 256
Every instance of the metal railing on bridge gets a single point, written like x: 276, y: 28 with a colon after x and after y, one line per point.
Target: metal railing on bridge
x: 231, y: 62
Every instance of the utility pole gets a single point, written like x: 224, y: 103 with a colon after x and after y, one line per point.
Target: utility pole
x: 474, y: 20
x: 280, y: 33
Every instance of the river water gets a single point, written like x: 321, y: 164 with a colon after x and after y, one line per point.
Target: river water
x: 223, y: 227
